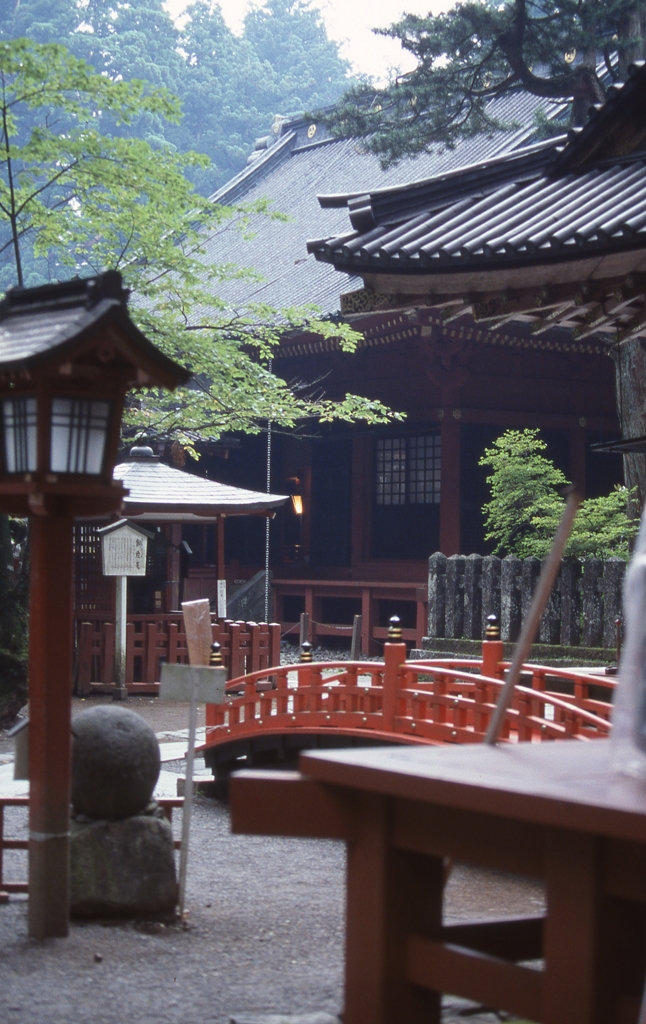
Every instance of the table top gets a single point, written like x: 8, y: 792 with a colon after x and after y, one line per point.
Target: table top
x: 566, y: 784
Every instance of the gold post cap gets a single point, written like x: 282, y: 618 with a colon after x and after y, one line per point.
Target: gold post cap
x: 394, y: 629
x: 492, y: 631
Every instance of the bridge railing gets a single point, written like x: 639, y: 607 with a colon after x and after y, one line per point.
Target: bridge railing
x: 434, y: 701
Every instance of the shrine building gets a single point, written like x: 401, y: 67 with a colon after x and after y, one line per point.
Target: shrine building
x: 372, y: 503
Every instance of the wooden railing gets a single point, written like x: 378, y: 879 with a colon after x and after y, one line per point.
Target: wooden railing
x: 154, y: 639
x: 168, y: 803
x: 436, y: 701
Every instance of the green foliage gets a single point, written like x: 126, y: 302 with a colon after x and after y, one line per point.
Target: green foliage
x: 526, y: 507
x: 290, y: 37
x: 230, y: 87
x: 62, y: 180
x: 482, y: 49
x: 86, y: 200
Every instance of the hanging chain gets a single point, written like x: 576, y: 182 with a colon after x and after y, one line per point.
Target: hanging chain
x: 267, y: 521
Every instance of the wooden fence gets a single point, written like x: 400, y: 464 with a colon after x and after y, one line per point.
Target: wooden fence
x: 583, y: 608
x: 168, y: 803
x: 154, y: 639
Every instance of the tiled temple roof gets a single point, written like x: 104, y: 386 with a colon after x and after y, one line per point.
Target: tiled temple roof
x: 557, y: 227
x: 38, y: 323
x: 296, y: 166
x: 521, y: 207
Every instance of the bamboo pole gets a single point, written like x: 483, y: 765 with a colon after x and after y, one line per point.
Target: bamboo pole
x: 531, y: 623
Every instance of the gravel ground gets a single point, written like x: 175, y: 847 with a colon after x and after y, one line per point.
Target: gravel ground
x: 264, y: 938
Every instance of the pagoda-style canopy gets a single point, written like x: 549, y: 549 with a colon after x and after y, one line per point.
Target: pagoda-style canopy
x: 159, y: 493
x: 68, y: 354
x: 554, y: 234
x: 63, y: 320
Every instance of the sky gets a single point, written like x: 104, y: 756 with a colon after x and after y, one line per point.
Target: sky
x: 349, y: 23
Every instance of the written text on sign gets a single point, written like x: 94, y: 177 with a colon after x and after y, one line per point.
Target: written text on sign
x: 124, y: 554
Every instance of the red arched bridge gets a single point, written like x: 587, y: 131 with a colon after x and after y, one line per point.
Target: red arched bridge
x: 271, y: 715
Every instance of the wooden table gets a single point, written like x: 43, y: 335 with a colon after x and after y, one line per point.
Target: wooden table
x: 555, y: 811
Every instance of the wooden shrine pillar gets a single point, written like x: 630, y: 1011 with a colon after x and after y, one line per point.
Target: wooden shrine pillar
x: 577, y: 458
x: 362, y: 498
x: 172, y: 596
x: 219, y: 549
x: 450, y: 484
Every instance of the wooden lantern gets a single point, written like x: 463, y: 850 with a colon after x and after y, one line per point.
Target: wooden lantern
x: 68, y: 354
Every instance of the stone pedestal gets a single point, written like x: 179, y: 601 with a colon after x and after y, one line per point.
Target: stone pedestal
x: 122, y: 860
x: 123, y: 868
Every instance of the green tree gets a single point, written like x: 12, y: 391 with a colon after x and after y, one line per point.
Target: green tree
x: 90, y: 201
x: 482, y: 49
x: 82, y: 201
x: 526, y: 506
x: 230, y: 87
x: 228, y: 95
x: 290, y: 37
x: 39, y: 19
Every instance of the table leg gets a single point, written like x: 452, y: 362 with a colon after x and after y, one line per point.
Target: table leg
x: 571, y: 992
x: 391, y: 894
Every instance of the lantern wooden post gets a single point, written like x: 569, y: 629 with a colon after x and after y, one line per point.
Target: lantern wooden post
x: 50, y: 673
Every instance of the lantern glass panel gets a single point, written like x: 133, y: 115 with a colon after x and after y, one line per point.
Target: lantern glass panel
x: 20, y: 434
x: 79, y: 434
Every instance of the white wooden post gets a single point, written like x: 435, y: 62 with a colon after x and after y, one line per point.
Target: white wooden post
x: 192, y: 682
x: 124, y: 547
x: 222, y: 599
x: 121, y: 618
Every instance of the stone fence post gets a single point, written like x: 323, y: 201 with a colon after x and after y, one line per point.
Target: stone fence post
x: 510, y: 598
x: 582, y: 609
x: 570, y: 577
x: 473, y: 597
x: 613, y: 582
x: 454, y: 610
x: 436, y: 594
x: 490, y: 589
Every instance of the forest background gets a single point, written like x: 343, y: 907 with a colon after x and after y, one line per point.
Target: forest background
x: 230, y: 86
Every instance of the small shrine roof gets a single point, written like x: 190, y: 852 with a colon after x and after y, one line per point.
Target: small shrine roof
x: 158, y: 492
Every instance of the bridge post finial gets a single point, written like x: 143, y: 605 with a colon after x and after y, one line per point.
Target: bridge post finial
x: 492, y: 631
x: 492, y: 649
x: 394, y: 630
x: 306, y: 651
x: 215, y: 660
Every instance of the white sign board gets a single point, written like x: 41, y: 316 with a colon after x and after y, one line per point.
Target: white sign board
x: 222, y: 599
x: 124, y: 552
x: 177, y: 682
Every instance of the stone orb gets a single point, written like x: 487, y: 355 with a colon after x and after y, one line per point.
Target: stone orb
x: 115, y: 763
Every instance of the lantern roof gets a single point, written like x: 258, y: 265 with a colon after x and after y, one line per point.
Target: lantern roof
x: 54, y: 320
x: 158, y: 492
